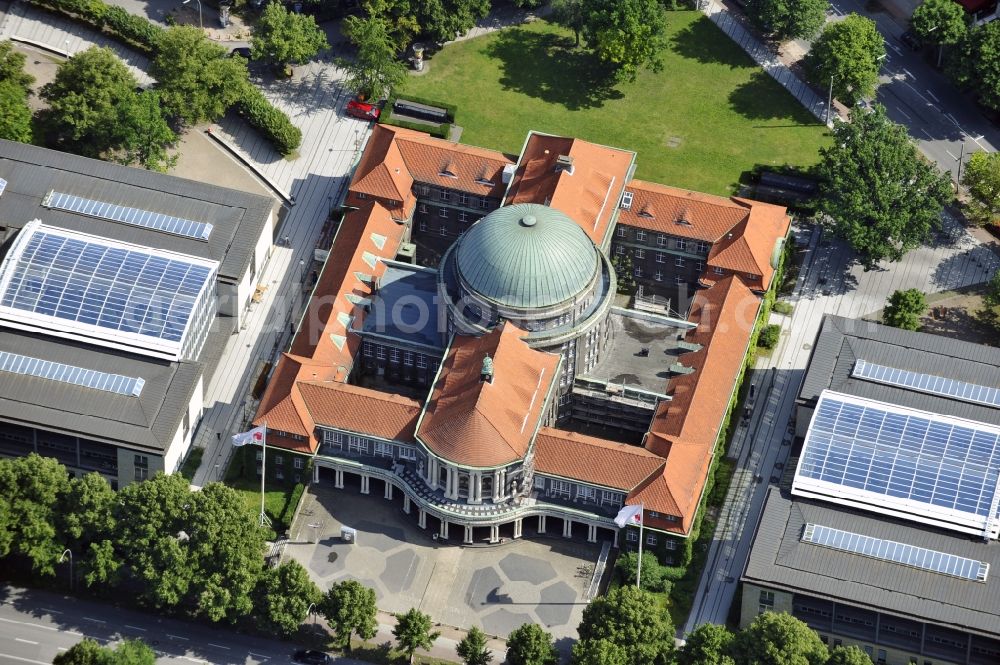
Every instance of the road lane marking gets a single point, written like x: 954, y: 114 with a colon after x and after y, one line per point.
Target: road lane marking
x: 217, y: 646
x: 950, y: 154
x: 195, y: 660
x: 23, y: 660
x: 94, y: 620
x: 45, y: 609
x: 904, y: 113
x: 927, y: 134
x: 257, y: 655
x: 135, y: 628
x: 18, y: 639
x: 177, y: 637
x: 933, y: 97
x: 61, y: 649
x: 908, y: 73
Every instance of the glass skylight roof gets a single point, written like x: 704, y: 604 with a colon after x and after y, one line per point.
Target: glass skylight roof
x: 901, y: 553
x: 927, y: 383
x: 913, y: 464
x: 108, y: 293
x: 177, y: 226
x: 88, y: 378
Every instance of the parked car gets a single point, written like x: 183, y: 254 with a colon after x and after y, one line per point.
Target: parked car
x: 910, y: 40
x: 241, y: 51
x: 311, y: 657
x: 363, y: 110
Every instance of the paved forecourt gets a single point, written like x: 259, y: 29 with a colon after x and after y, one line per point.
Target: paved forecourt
x: 497, y: 588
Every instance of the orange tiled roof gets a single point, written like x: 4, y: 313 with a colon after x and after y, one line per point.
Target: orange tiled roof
x: 382, y: 174
x: 589, y: 196
x: 482, y: 424
x: 324, y: 347
x: 474, y: 170
x: 663, y: 209
x: 363, y: 410
x: 749, y: 250
x: 592, y: 460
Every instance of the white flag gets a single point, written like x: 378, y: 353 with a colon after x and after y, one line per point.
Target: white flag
x: 629, y: 515
x: 256, y: 435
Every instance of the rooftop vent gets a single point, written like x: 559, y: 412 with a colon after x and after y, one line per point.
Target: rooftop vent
x: 508, y: 173
x: 564, y: 163
x: 486, y: 374
x: 627, y: 200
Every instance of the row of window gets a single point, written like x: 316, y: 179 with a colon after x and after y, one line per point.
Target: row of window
x: 279, y: 460
x: 652, y: 538
x: 380, y: 352
x: 445, y: 213
x: 462, y: 198
x: 663, y: 240
x: 365, y: 446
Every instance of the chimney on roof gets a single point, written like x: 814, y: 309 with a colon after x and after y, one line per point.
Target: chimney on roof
x: 486, y: 374
x: 564, y: 163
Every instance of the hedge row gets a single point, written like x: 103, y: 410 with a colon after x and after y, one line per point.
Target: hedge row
x: 144, y: 34
x: 270, y: 121
x: 450, y: 109
x: 440, y: 131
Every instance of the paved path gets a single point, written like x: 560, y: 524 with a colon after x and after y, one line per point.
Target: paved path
x: 824, y: 286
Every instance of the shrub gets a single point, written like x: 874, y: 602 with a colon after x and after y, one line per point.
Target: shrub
x: 653, y: 573
x: 782, y: 307
x: 270, y: 121
x: 440, y: 131
x: 769, y: 336
x: 135, y: 29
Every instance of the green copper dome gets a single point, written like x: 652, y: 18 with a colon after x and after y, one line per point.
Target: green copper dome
x: 527, y: 256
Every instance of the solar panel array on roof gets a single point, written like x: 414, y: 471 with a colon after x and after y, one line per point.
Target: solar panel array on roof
x: 918, y: 465
x: 151, y: 220
x: 901, y: 553
x: 927, y: 383
x: 88, y: 378
x: 68, y: 282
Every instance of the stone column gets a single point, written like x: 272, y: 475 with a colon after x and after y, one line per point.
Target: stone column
x: 468, y: 535
x: 449, y: 480
x: 518, y: 526
x: 432, y: 472
x: 388, y: 490
x: 502, y: 485
x: 477, y: 488
x: 616, y: 538
x: 567, y: 528
x: 444, y: 530
x: 541, y: 524
x: 422, y: 519
x: 591, y: 533
x: 494, y: 534
x: 364, y: 483
x: 406, y: 504
x: 338, y: 478
x: 497, y: 475
x: 316, y: 473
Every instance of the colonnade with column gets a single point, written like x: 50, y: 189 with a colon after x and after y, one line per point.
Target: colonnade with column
x: 452, y: 481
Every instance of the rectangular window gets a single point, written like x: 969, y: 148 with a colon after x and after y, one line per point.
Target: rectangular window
x: 406, y: 452
x: 423, y: 190
x: 298, y: 463
x: 443, y: 212
x: 260, y: 455
x: 463, y: 198
x: 633, y: 535
x: 423, y: 225
x: 279, y: 460
x: 383, y: 449
x: 670, y: 544
x: 279, y: 474
x: 394, y: 355
x: 717, y: 270
x: 766, y: 603
x: 658, y: 276
x: 335, y: 439
x: 678, y: 279
x: 586, y: 493
x: 650, y: 538
x: 463, y: 216
x: 661, y: 257
x: 640, y: 253
x: 640, y: 235
x: 141, y: 473
x: 356, y: 444
x: 421, y: 361
x: 484, y: 203
x: 422, y: 207
x: 661, y: 240
x: 141, y: 461
x: 622, y: 232
x: 369, y: 349
x: 408, y: 358
x: 380, y: 352
x: 362, y: 196
x: 702, y: 247
x: 608, y: 496
x: 445, y: 195
x: 539, y: 483
x: 699, y: 265
x: 637, y: 271
x: 443, y: 231
x: 619, y: 250
x: 680, y: 243
x: 679, y: 262
x: 560, y: 487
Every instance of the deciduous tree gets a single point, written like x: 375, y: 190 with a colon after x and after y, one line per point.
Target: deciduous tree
x: 15, y: 115
x: 626, y: 34
x: 283, y: 597
x: 851, y: 655
x: 850, y: 52
x: 631, y: 619
x: 982, y: 178
x: 375, y: 69
x: 529, y: 644
x: 599, y: 652
x: 939, y: 22
x: 904, y: 309
x: 32, y: 487
x: 349, y: 607
x: 789, y: 19
x: 145, y: 134
x: 472, y: 648
x: 282, y: 37
x: 196, y: 79
x: 778, y: 638
x: 12, y: 66
x: 413, y: 631
x: 883, y: 197
x: 653, y: 578
x: 86, y: 525
x: 84, y: 652
x: 708, y: 644
x: 570, y: 14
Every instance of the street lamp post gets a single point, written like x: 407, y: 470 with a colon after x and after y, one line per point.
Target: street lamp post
x: 200, y: 24
x: 961, y: 159
x: 62, y: 557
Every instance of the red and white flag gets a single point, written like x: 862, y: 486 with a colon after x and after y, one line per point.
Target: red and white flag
x: 256, y: 435
x: 629, y: 515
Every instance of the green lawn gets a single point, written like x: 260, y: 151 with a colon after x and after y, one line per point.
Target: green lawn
x: 721, y: 113
x: 280, y: 501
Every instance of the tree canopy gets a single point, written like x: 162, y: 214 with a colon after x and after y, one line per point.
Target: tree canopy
x: 375, y: 69
x: 778, y: 638
x: 708, y: 644
x: 413, y: 631
x: 789, y: 19
x: 196, y: 79
x: 570, y: 14
x: 88, y: 652
x: 626, y: 34
x: 472, y: 648
x: 850, y: 52
x: 31, y: 488
x: 282, y: 598
x: 529, y: 644
x: 904, y: 309
x: 982, y: 178
x: 851, y: 655
x: 939, y: 22
x: 15, y: 114
x: 436, y: 20
x: 631, y: 619
x: 281, y: 36
x: 12, y: 66
x: 349, y: 607
x: 882, y: 196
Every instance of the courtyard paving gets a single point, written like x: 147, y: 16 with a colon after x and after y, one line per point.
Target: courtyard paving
x: 496, y: 588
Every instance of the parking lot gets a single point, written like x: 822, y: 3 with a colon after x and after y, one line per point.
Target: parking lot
x: 497, y: 588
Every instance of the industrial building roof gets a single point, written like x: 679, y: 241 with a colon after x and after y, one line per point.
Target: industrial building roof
x: 780, y: 558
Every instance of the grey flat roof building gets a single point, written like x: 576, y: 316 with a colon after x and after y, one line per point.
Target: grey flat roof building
x: 780, y: 559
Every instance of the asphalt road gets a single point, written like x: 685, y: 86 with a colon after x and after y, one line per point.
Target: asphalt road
x: 916, y: 95
x: 37, y: 625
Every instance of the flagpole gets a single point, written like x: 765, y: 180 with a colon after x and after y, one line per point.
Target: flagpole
x: 263, y: 474
x: 638, y: 568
